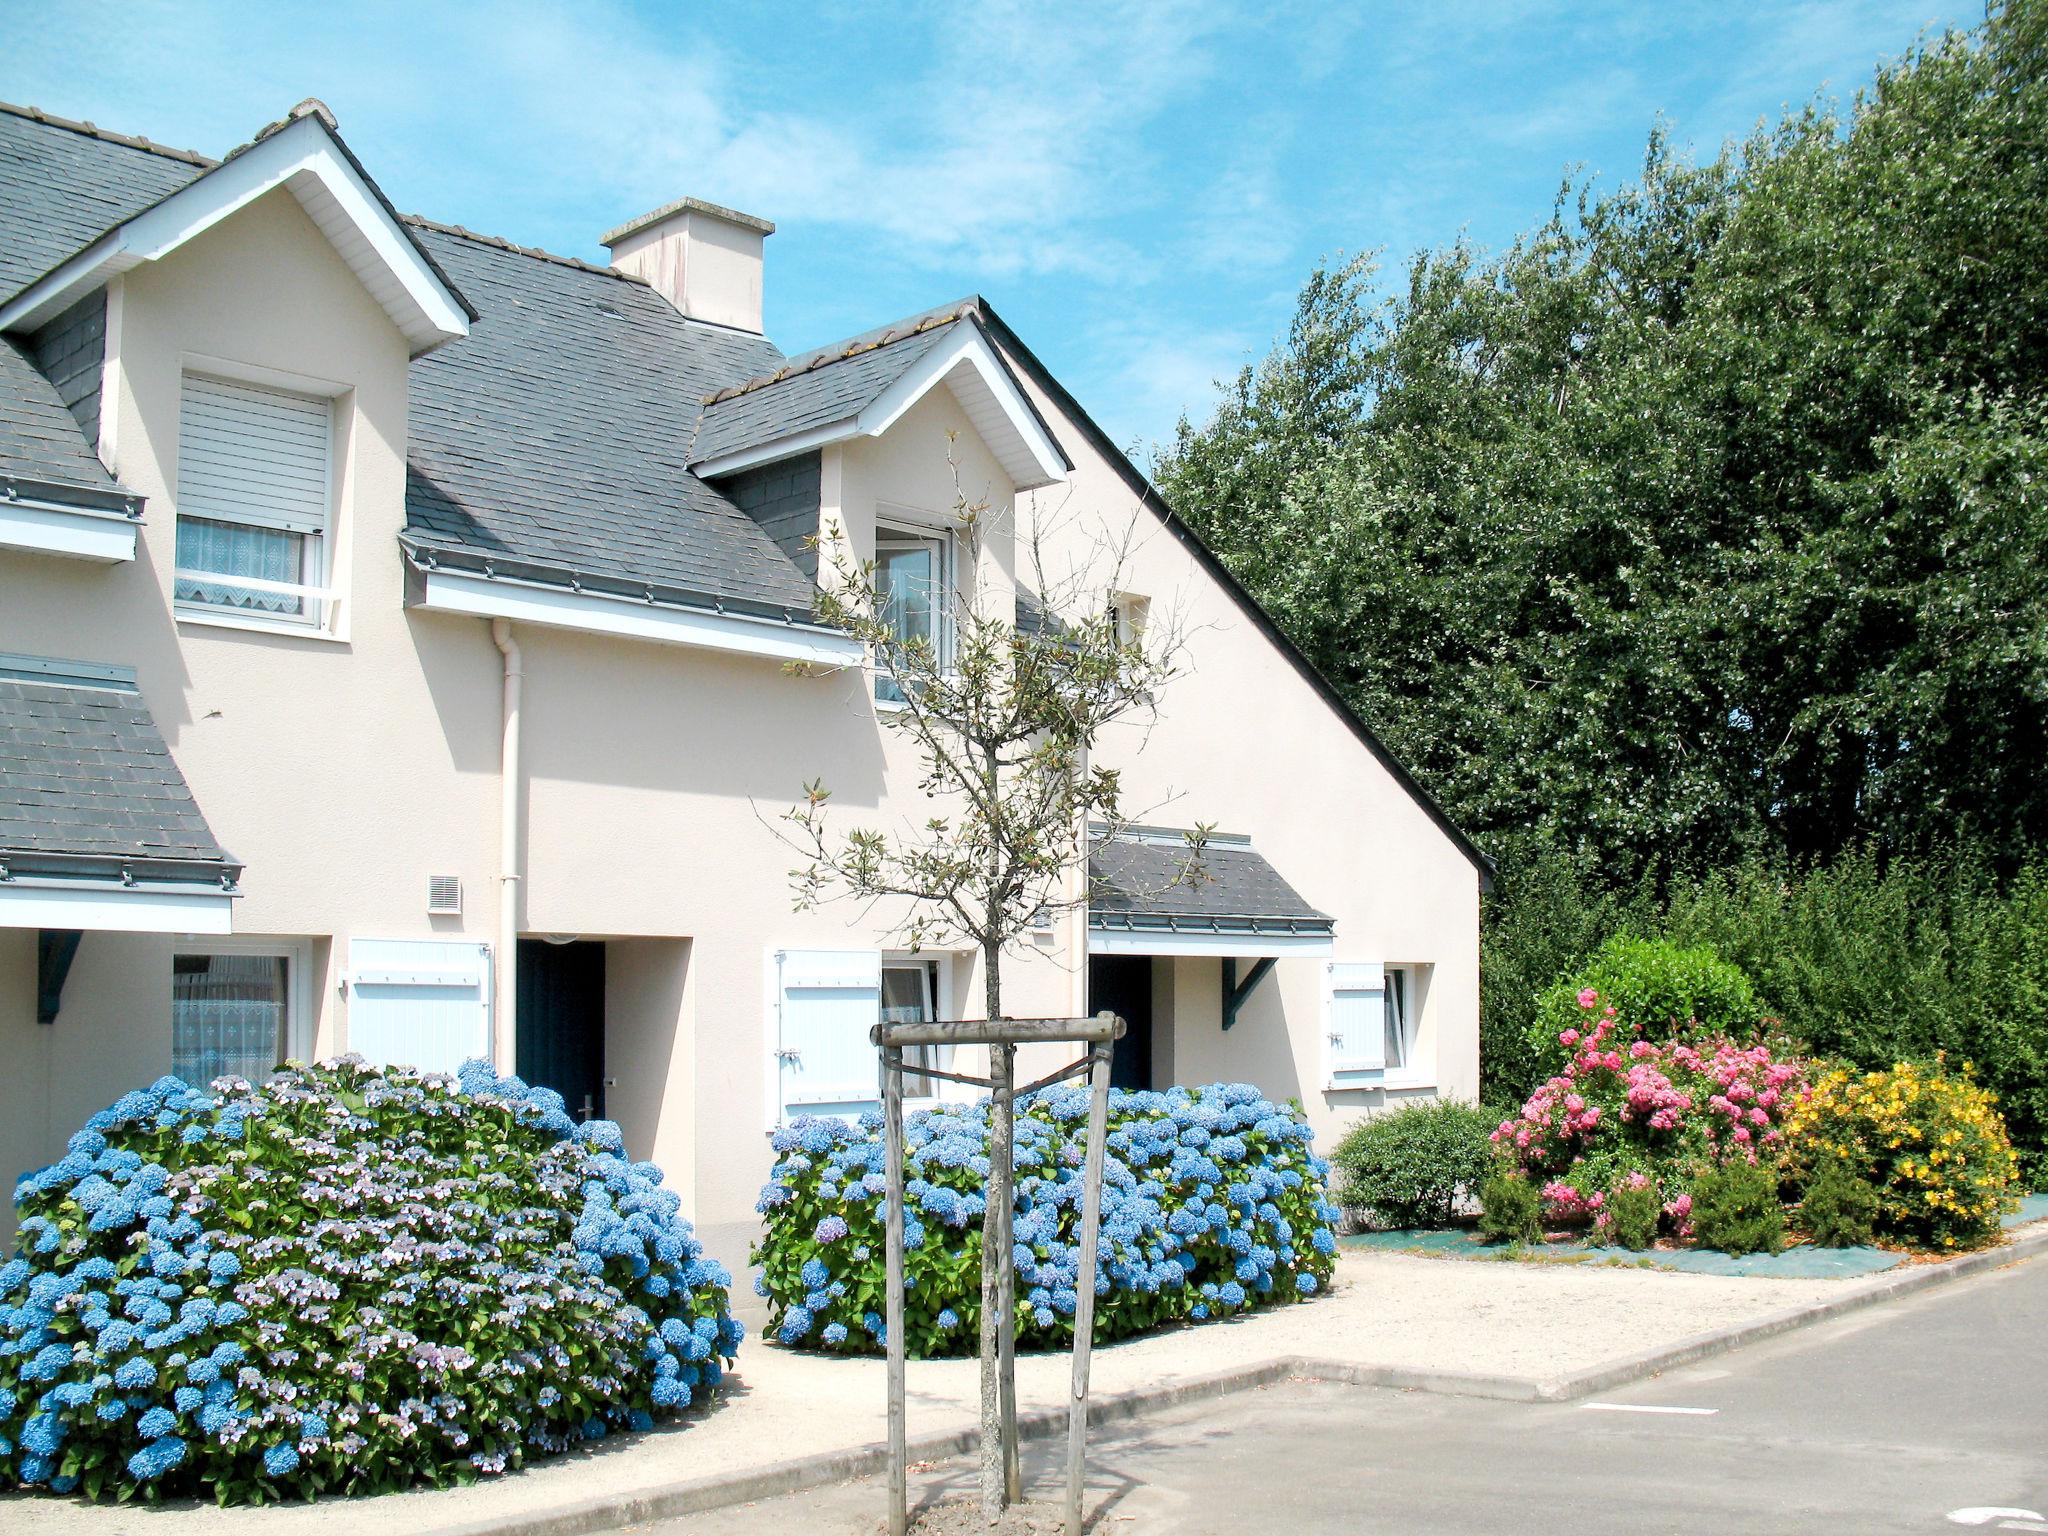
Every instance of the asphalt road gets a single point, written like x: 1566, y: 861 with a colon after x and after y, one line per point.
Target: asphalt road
x: 1888, y: 1420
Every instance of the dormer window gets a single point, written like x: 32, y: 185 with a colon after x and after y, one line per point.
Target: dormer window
x: 255, y: 487
x: 912, y: 580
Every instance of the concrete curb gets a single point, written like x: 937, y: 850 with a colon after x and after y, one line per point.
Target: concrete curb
x: 606, y: 1512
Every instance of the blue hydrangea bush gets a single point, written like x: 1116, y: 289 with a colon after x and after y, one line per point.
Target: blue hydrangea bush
x: 1213, y: 1204
x: 346, y: 1280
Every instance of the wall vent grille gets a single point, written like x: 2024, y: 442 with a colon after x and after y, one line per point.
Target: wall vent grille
x: 444, y: 895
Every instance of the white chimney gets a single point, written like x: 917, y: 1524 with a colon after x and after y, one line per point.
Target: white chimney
x: 704, y: 259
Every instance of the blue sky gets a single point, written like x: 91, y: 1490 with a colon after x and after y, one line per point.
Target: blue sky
x: 1139, y: 188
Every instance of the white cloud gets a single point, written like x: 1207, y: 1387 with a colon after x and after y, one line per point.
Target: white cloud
x: 1012, y: 147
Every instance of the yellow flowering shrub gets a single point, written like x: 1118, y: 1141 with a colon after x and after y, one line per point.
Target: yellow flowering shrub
x: 1931, y: 1143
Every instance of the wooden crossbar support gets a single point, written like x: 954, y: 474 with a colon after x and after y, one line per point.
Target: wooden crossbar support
x: 1072, y: 1069
x: 1003, y: 1035
x: 1084, y: 1283
x: 1235, y: 992
x: 1103, y: 1026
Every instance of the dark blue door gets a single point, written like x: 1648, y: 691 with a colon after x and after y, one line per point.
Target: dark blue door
x: 1122, y: 984
x: 561, y: 1021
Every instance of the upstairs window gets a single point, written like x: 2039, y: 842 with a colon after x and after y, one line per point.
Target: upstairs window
x: 255, y: 485
x: 910, y: 582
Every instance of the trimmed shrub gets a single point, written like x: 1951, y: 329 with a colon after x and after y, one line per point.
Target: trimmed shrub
x: 1410, y: 1166
x: 1629, y: 1214
x: 346, y: 1280
x: 1931, y: 1144
x: 1839, y: 1207
x: 1212, y: 1204
x: 1624, y: 1109
x: 1735, y: 1209
x: 1652, y: 987
x: 1510, y: 1211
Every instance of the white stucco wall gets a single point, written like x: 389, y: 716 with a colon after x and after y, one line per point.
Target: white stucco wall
x: 1245, y: 741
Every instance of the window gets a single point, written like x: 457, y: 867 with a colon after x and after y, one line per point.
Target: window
x: 236, y: 1012
x: 910, y: 995
x: 1127, y: 615
x: 254, y: 487
x: 1400, y: 1021
x: 910, y: 582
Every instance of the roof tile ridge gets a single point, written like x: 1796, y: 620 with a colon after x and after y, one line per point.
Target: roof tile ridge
x: 499, y: 242
x: 94, y: 131
x: 839, y: 352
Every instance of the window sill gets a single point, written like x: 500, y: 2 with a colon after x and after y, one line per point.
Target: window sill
x: 1408, y: 1080
x: 292, y: 629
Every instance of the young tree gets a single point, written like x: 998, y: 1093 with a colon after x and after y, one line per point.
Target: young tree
x: 1003, y: 694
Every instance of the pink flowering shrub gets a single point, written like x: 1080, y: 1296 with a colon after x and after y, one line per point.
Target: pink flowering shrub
x: 1629, y: 1112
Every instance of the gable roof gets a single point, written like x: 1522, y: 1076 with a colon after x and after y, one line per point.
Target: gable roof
x: 87, y: 784
x: 1148, y: 496
x: 555, y: 436
x: 861, y: 386
x: 64, y: 184
x: 307, y: 155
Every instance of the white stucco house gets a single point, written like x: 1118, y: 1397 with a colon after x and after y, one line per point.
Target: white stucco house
x: 393, y: 637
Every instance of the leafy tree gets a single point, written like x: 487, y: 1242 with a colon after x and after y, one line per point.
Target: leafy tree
x: 1708, y: 517
x: 1003, y: 717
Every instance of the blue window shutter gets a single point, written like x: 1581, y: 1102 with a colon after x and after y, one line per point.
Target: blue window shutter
x: 826, y: 1001
x: 1355, y: 1013
x: 422, y: 1003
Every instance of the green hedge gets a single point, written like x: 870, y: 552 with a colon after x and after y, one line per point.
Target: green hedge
x: 1867, y: 960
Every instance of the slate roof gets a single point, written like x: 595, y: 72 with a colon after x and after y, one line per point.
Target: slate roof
x: 1135, y: 883
x: 557, y: 432
x: 819, y: 388
x: 39, y: 439
x: 64, y: 184
x: 86, y: 781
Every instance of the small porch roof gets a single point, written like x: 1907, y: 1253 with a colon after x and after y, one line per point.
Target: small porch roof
x: 98, y: 829
x: 1237, y: 906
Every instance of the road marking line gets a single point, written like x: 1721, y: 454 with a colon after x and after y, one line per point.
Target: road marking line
x: 1641, y: 1408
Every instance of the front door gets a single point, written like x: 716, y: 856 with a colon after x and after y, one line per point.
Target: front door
x: 1122, y: 984
x: 561, y: 1021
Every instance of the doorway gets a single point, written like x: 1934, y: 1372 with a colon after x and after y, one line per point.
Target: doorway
x: 561, y: 1022
x: 1122, y: 984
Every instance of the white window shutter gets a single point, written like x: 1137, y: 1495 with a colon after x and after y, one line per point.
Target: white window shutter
x: 423, y: 1003
x: 1355, y: 1010
x: 826, y: 1002
x: 253, y: 455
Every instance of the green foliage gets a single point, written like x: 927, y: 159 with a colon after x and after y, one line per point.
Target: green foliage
x: 1930, y: 1142
x: 1665, y: 990
x: 1735, y: 1208
x: 1213, y: 1204
x: 1410, y: 1166
x: 1630, y: 1215
x: 1871, y: 961
x: 1839, y: 1206
x: 1707, y: 518
x: 1510, y: 1210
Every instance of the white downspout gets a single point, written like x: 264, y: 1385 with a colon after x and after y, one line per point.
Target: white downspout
x: 504, y: 1020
